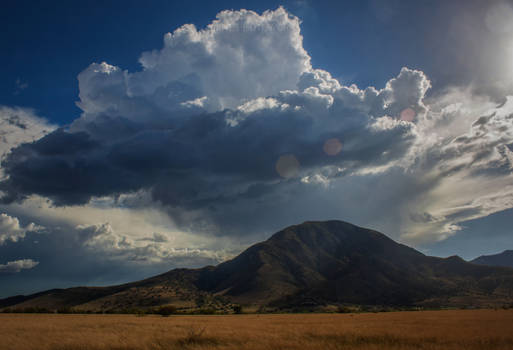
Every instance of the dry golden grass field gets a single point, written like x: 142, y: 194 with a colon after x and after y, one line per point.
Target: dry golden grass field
x: 468, y: 330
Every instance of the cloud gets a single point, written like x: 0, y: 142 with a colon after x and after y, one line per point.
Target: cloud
x: 18, y: 265
x: 479, y: 159
x: 229, y: 130
x: 239, y: 56
x: 103, y: 238
x: 11, y: 230
x: 206, y: 157
x: 19, y: 125
x: 157, y: 238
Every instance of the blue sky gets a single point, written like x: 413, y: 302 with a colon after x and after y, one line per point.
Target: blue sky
x: 127, y: 151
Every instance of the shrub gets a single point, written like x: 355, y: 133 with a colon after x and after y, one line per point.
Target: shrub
x: 65, y: 310
x: 237, y: 309
x: 344, y: 309
x: 35, y: 310
x: 166, y: 310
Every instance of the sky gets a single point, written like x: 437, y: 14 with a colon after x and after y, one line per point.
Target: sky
x: 140, y: 137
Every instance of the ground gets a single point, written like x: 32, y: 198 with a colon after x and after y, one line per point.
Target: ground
x: 453, y: 329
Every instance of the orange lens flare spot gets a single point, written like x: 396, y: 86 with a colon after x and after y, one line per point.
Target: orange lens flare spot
x: 332, y: 147
x: 408, y: 115
x: 287, y: 166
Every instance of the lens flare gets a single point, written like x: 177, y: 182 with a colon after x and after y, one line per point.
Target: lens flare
x: 332, y: 147
x: 408, y: 115
x: 287, y: 166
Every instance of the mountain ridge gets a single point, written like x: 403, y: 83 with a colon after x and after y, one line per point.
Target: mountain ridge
x: 316, y: 263
x: 504, y: 259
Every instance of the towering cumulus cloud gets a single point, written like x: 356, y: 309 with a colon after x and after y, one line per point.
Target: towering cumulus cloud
x: 229, y: 129
x: 238, y: 57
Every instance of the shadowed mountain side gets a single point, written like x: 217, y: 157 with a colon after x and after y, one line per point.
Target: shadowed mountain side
x: 502, y: 259
x: 312, y: 264
x: 303, y: 257
x: 333, y: 261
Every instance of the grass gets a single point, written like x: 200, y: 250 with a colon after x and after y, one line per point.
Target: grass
x: 429, y: 330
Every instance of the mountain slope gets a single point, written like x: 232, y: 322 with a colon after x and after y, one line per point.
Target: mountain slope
x: 502, y: 259
x: 303, y: 257
x: 336, y: 262
x: 312, y: 264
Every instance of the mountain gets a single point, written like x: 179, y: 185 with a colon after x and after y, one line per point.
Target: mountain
x: 502, y: 259
x: 311, y: 265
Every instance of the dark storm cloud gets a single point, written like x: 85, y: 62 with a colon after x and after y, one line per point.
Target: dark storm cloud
x: 189, y: 163
x: 175, y: 130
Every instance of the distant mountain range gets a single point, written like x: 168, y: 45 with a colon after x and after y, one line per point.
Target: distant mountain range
x: 308, y: 266
x: 503, y: 259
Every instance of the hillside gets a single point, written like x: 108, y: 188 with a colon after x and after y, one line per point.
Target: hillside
x: 310, y: 265
x: 502, y: 259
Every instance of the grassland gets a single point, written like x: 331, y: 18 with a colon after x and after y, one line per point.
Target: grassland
x: 462, y: 329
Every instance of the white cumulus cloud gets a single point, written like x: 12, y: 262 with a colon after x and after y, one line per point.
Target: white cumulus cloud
x: 11, y: 230
x: 18, y: 265
x: 103, y: 238
x: 240, y: 56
